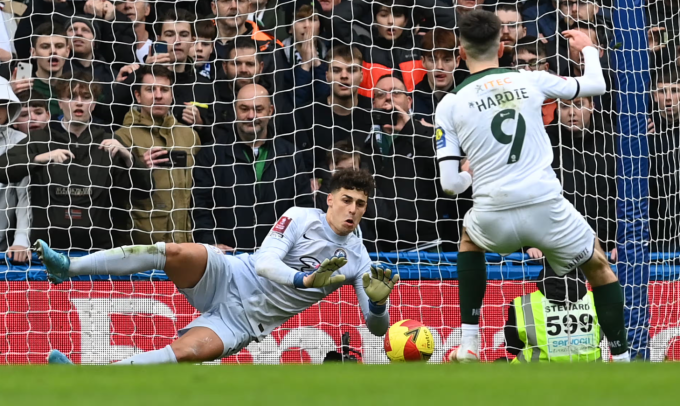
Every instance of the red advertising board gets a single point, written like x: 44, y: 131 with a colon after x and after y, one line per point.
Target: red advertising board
x: 102, y: 322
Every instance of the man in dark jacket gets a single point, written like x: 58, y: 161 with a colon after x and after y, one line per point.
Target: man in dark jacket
x: 343, y: 115
x: 243, y: 187
x: 664, y: 179
x: 403, y: 155
x: 82, y: 179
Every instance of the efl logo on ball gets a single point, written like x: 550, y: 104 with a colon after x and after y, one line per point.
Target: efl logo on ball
x: 409, y: 340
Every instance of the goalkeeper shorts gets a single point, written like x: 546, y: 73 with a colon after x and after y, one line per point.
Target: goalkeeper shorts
x: 555, y: 227
x: 219, y: 302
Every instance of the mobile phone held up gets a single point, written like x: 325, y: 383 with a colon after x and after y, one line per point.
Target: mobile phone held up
x: 176, y: 159
x: 160, y: 48
x: 384, y: 117
x: 24, y: 70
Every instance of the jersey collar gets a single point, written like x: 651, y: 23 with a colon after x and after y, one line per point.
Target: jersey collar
x: 332, y: 235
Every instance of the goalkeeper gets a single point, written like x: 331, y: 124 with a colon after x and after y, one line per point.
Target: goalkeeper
x: 307, y: 256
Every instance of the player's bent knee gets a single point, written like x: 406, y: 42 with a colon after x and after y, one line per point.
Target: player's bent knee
x: 199, y: 344
x: 597, y: 269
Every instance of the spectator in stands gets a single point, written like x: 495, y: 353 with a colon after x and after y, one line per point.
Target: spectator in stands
x: 664, y: 32
x: 403, y: 158
x: 11, y: 13
x: 49, y: 52
x: 343, y: 156
x: 463, y: 6
x: 15, y: 215
x: 114, y: 32
x: 202, y: 51
x: 305, y: 52
x: 242, y: 67
x: 193, y: 94
x: 82, y: 179
x: 34, y: 113
x: 571, y: 12
x: 440, y: 61
x: 383, y: 32
x: 584, y: 159
x: 243, y: 187
x: 270, y: 17
x: 158, y: 139
x: 512, y: 30
x: 137, y: 11
x: 664, y: 144
x: 343, y: 115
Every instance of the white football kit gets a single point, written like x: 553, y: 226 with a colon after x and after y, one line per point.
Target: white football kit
x: 240, y: 306
x: 495, y: 117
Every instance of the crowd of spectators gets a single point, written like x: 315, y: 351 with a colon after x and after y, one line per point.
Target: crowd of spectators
x: 138, y: 121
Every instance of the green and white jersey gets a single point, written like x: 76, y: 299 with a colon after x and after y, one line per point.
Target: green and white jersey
x: 495, y: 117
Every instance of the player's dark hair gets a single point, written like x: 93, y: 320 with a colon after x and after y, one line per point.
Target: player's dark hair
x: 70, y: 84
x: 480, y: 34
x: 532, y: 45
x: 47, y: 30
x: 153, y: 70
x: 353, y: 179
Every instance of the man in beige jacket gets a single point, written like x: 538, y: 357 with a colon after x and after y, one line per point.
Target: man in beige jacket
x: 168, y: 148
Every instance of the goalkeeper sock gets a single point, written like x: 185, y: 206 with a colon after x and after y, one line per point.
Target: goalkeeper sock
x: 471, y: 285
x: 609, y: 308
x: 126, y: 260
x: 163, y: 356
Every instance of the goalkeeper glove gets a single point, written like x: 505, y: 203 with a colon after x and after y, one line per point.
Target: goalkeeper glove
x: 379, y: 284
x: 323, y: 274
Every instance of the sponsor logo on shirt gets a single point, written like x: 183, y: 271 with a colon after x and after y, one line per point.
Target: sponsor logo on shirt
x: 340, y: 253
x: 440, y: 137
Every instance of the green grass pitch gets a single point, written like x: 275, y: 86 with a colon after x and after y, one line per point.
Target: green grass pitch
x: 639, y: 384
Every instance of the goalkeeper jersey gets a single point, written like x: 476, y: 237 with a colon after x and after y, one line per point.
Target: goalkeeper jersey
x: 494, y: 116
x: 300, y: 241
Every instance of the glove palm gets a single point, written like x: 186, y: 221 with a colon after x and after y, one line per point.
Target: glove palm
x: 323, y: 274
x: 379, y: 283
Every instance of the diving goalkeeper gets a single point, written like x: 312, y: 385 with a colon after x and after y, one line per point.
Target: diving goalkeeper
x: 307, y: 255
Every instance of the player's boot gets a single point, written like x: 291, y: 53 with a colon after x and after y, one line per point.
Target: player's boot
x: 56, y: 264
x: 57, y: 357
x: 467, y: 352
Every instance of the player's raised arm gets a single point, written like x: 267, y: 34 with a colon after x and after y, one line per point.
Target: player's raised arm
x: 373, y: 290
x: 592, y: 82
x: 448, y: 150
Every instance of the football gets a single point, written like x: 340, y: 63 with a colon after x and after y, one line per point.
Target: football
x: 409, y: 340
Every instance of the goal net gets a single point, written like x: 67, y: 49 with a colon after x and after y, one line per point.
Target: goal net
x: 173, y: 76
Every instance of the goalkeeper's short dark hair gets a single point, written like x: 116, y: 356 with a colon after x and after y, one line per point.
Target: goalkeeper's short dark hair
x: 47, y: 30
x: 353, y: 179
x: 153, y: 70
x: 480, y: 34
x: 70, y: 84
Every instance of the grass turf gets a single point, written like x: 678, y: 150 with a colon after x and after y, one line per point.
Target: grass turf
x: 485, y: 384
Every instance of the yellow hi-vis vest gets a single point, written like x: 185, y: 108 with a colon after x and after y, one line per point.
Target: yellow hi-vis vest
x: 557, y: 333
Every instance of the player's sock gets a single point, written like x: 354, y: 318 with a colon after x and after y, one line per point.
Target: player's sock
x: 471, y: 285
x: 163, y: 356
x: 609, y: 307
x: 125, y: 260
x: 469, y: 330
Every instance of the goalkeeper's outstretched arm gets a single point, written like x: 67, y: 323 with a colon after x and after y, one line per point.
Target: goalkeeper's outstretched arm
x: 373, y: 290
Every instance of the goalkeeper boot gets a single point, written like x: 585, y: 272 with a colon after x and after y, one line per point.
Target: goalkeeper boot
x: 467, y: 352
x: 56, y: 264
x: 57, y: 357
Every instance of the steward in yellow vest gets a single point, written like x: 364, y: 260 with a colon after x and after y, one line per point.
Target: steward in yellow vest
x: 557, y: 323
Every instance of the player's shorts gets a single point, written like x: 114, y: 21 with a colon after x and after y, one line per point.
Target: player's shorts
x: 219, y: 302
x: 553, y: 226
